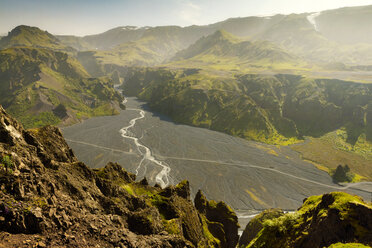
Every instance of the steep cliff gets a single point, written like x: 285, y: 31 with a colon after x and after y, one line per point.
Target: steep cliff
x: 277, y: 109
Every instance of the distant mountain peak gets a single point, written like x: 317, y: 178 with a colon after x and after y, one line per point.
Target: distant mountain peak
x: 24, y: 35
x: 225, y: 45
x: 224, y: 35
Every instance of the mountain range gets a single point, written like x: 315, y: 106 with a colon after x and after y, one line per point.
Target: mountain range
x: 298, y: 80
x: 233, y: 65
x: 311, y: 35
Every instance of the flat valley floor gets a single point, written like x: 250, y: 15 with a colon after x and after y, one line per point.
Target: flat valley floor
x: 246, y: 175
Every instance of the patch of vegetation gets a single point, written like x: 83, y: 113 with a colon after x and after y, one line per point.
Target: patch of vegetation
x: 329, y: 151
x: 212, y: 241
x: 6, y: 164
x: 348, y: 245
x: 172, y: 226
x: 342, y: 174
x: 39, y: 120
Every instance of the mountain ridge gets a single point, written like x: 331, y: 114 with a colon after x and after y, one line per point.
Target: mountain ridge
x: 27, y: 36
x: 42, y: 84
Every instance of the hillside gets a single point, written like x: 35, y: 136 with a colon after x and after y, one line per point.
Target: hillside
x: 41, y: 86
x: 26, y: 36
x: 75, y: 42
x: 298, y: 35
x: 222, y: 50
x: 50, y: 199
x: 275, y: 109
x: 346, y: 25
x: 278, y: 99
x: 136, y: 47
x: 320, y: 222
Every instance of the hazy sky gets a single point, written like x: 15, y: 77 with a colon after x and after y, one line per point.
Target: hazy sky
x: 81, y: 17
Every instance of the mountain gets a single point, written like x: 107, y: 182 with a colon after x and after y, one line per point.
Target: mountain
x: 26, y: 36
x: 298, y: 34
x: 75, y: 42
x: 47, y: 86
x: 120, y: 35
x: 320, y: 222
x: 143, y: 47
x: 35, y: 83
x: 324, y: 37
x: 346, y: 25
x: 288, y: 104
x: 277, y: 109
x: 50, y: 199
x: 114, y: 37
x: 225, y: 49
x: 147, y: 51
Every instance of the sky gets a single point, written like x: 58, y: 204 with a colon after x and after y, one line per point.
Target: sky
x: 83, y: 17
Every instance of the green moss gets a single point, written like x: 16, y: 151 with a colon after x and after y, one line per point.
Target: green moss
x: 285, y: 230
x: 6, y: 164
x: 348, y: 245
x: 172, y: 226
x: 40, y: 120
x: 211, y: 240
x: 129, y: 189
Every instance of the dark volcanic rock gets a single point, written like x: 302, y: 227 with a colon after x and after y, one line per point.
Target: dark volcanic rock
x: 50, y: 199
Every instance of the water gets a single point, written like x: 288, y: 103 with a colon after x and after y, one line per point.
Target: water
x: 246, y: 175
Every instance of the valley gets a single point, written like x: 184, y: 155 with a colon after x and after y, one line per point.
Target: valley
x: 173, y: 136
x: 245, y: 174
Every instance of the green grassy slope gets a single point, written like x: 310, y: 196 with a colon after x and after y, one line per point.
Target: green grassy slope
x: 32, y: 37
x: 257, y: 107
x: 223, y: 51
x: 320, y: 222
x: 41, y: 86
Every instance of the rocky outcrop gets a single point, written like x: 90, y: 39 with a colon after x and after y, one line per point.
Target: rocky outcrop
x: 50, y: 199
x: 222, y: 220
x: 321, y: 221
x: 255, y: 225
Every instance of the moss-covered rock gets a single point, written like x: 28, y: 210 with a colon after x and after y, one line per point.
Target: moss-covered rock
x: 321, y: 221
x: 255, y: 225
x: 348, y: 245
x: 222, y: 220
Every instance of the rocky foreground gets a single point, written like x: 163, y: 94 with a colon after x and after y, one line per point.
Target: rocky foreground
x: 50, y: 199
